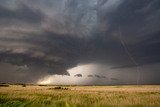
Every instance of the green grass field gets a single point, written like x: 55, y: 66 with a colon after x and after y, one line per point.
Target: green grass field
x: 80, y: 96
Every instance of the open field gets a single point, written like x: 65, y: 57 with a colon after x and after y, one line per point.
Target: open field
x: 80, y: 96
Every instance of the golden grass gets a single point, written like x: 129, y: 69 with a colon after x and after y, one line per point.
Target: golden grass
x: 81, y: 96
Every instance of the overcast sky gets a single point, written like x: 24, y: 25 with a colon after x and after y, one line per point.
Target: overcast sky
x: 95, y: 42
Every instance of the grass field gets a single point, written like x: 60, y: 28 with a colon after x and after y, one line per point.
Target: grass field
x: 80, y: 96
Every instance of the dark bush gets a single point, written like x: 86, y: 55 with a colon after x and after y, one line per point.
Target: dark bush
x: 4, y: 85
x: 23, y: 85
x: 59, y: 88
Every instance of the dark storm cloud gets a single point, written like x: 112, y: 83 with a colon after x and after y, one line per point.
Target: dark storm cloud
x: 90, y: 75
x: 78, y: 75
x: 114, y: 79
x: 53, y: 36
x: 21, y: 13
x: 97, y: 76
x: 103, y: 76
x: 137, y: 21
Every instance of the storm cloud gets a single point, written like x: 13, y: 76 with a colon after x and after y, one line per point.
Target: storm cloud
x: 56, y: 35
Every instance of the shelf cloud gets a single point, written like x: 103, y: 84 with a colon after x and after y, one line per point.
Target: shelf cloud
x: 53, y: 36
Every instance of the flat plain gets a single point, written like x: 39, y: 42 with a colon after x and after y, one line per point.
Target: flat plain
x: 80, y: 96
